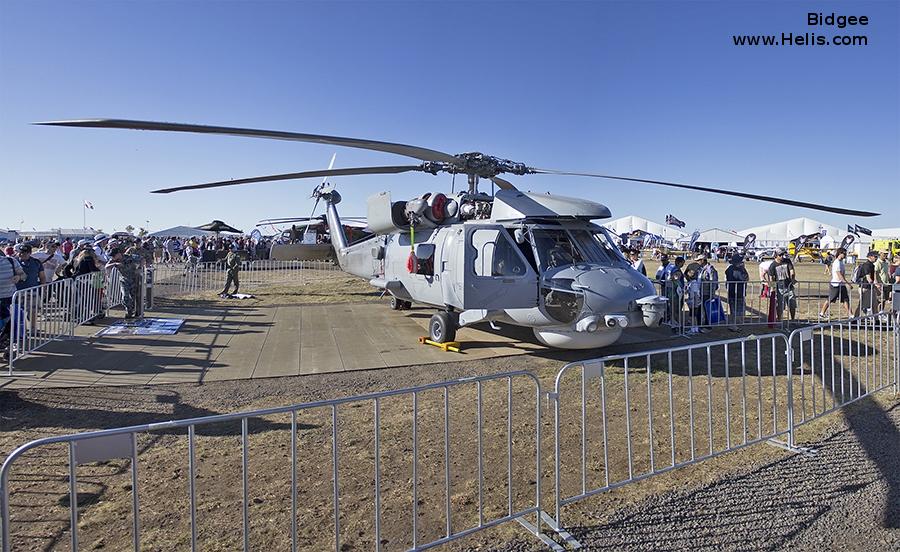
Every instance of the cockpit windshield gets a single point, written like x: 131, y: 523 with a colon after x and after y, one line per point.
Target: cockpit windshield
x: 606, y: 242
x: 555, y: 248
x: 558, y: 247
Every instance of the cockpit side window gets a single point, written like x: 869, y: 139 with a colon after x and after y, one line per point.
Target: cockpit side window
x: 524, y: 248
x: 555, y: 248
x: 495, y: 254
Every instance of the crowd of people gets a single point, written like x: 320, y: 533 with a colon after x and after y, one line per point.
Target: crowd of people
x: 692, y: 291
x: 29, y: 264
x: 208, y: 248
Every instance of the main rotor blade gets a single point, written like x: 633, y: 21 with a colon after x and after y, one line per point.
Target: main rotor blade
x: 792, y: 202
x: 297, y: 175
x: 415, y: 152
x: 320, y: 218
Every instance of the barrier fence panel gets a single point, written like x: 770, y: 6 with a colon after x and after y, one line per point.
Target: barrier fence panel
x: 51, y: 312
x: 622, y: 418
x: 756, y: 303
x: 40, y: 315
x: 191, y: 279
x: 834, y: 364
x: 403, y: 469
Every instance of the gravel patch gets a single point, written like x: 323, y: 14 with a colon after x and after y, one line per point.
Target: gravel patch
x: 845, y: 497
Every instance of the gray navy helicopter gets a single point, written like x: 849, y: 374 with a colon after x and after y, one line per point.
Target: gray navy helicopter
x: 527, y: 259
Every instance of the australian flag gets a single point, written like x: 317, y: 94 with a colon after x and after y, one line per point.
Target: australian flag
x: 671, y: 220
x: 852, y: 229
x: 862, y: 230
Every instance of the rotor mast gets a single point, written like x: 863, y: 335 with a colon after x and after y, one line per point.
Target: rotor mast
x: 473, y: 183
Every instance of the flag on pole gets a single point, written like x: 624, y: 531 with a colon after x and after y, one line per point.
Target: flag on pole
x: 852, y: 230
x: 88, y: 204
x: 862, y: 230
x: 671, y: 220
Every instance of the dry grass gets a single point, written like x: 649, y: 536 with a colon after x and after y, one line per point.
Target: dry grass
x: 738, y: 402
x: 39, y: 480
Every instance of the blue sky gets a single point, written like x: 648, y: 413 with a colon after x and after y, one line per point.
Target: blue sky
x: 646, y: 89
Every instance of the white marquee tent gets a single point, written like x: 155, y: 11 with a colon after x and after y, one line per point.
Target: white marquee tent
x: 722, y: 237
x: 886, y: 233
x: 780, y: 233
x: 632, y: 223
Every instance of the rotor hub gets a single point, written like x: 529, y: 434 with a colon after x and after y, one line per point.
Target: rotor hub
x: 477, y: 164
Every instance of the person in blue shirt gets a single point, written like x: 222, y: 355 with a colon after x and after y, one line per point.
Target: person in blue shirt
x: 34, y: 269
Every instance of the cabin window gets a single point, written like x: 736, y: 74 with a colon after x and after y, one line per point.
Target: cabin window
x: 495, y: 255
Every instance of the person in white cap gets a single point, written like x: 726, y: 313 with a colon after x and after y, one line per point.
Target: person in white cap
x: 782, y: 277
x: 100, y: 242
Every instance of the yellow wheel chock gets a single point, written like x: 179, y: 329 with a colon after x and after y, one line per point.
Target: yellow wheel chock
x: 452, y: 346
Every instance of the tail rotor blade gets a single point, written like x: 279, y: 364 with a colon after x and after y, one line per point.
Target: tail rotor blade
x: 770, y: 199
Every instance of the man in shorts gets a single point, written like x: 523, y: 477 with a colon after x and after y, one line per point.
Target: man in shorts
x: 838, y: 287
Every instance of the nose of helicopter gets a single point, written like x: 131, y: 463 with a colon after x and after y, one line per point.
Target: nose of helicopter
x: 619, y: 294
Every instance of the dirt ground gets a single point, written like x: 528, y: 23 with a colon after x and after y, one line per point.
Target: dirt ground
x: 742, y: 403
x: 736, y: 399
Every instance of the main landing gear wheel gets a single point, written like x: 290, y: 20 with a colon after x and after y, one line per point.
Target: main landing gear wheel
x: 442, y: 328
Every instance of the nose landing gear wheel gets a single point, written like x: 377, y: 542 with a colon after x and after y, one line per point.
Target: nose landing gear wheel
x: 441, y: 328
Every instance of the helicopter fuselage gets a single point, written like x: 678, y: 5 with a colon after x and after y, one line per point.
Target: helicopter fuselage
x: 558, y: 274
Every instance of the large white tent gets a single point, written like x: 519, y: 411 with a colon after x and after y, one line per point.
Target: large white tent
x: 886, y: 233
x: 632, y: 223
x: 780, y: 233
x: 722, y: 237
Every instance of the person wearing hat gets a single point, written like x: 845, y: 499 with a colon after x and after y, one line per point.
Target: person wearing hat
x: 128, y: 265
x: 636, y: 262
x: 883, y: 278
x: 837, y: 289
x: 782, y: 277
x: 736, y: 278
x: 709, y: 282
x: 34, y: 270
x: 665, y: 268
x: 101, y: 242
x: 865, y: 275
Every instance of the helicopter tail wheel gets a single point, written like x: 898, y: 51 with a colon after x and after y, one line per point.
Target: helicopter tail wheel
x: 441, y: 328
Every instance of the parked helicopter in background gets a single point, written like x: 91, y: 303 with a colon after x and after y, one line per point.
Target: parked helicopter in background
x: 310, y: 241
x: 533, y: 260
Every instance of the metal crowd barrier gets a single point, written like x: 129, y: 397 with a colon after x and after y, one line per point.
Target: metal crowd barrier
x: 195, y: 278
x: 620, y: 419
x: 424, y: 414
x: 835, y: 364
x: 51, y: 312
x: 617, y: 420
x: 756, y: 303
